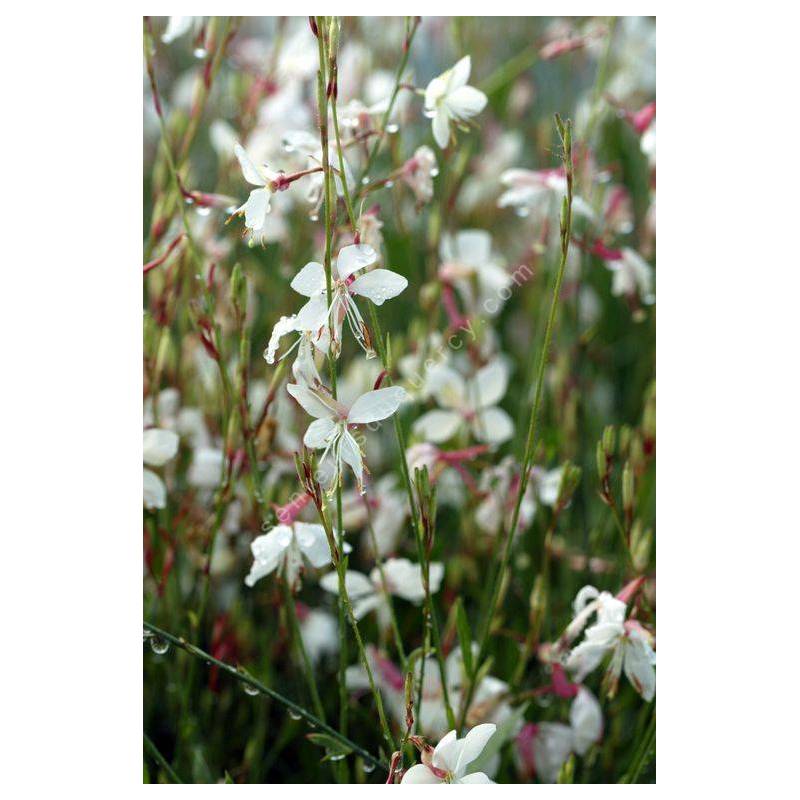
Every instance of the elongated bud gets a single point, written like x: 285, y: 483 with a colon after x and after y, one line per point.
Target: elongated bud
x: 602, y: 461
x: 641, y: 545
x: 567, y: 772
x: 627, y: 488
x: 239, y: 290
x: 609, y: 437
x: 313, y: 23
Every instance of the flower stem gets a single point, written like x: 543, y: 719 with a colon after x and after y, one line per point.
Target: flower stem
x: 565, y: 134
x: 256, y: 684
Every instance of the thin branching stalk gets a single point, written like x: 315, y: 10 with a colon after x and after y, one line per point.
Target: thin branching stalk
x: 565, y: 134
x: 162, y: 762
x: 249, y: 680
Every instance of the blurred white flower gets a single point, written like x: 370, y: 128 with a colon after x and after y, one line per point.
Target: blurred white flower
x: 472, y: 403
x: 403, y: 579
x: 178, y: 26
x: 418, y: 173
x: 448, y: 98
x: 160, y: 446
x: 319, y: 631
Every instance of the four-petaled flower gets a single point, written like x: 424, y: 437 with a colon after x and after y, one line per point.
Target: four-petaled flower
x: 449, y: 760
x: 449, y: 98
x: 330, y: 431
x: 377, y: 285
x: 629, y: 643
x: 285, y: 546
x: 471, y: 402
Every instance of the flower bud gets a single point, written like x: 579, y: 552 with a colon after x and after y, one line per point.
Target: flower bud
x: 239, y: 289
x: 609, y: 437
x: 602, y: 462
x: 628, y: 488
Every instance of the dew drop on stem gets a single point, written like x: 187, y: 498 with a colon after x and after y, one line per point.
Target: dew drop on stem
x: 158, y: 645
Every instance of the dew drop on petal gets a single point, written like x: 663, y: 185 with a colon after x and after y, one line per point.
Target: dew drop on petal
x: 204, y: 211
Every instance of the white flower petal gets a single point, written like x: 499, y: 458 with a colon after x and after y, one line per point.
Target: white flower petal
x: 311, y: 402
x: 465, y: 102
x: 353, y: 258
x: 474, y: 742
x: 493, y: 425
x: 256, y: 209
x: 283, y: 326
x: 437, y: 426
x: 376, y: 405
x: 475, y: 777
x: 351, y: 455
x: 638, y: 666
x: 159, y: 446
x: 252, y: 173
x: 459, y: 74
x: 155, y: 493
x: 313, y: 542
x: 441, y: 126
x: 490, y: 384
x: 586, y: 720
x: 310, y: 279
x: 379, y: 285
x: 419, y: 773
x: 318, y: 434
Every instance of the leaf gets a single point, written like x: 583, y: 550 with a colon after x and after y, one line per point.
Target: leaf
x: 464, y: 637
x: 334, y: 748
x: 506, y: 730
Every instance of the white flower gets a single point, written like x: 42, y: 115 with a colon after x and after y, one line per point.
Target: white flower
x: 448, y: 762
x: 205, y: 470
x: 631, y: 274
x: 178, y: 26
x: 419, y: 172
x: 159, y: 447
x: 330, y: 431
x: 287, y: 545
x: 586, y: 720
x: 468, y: 254
x: 257, y: 205
x: 527, y: 187
x: 403, y: 579
x: 628, y: 642
x: 319, y: 631
x: 471, y: 402
x: 449, y: 98
x: 377, y: 285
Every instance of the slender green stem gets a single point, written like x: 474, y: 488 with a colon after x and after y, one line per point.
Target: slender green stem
x: 412, y: 23
x: 162, y: 762
x: 243, y: 677
x: 297, y: 639
x: 565, y: 132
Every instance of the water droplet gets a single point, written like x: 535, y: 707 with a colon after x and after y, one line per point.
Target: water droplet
x: 289, y: 148
x: 204, y: 211
x: 389, y: 184
x: 294, y: 715
x: 368, y: 767
x: 336, y: 756
x: 522, y: 211
x: 365, y: 180
x: 200, y: 52
x: 189, y: 201
x: 158, y: 645
x: 313, y: 216
x: 434, y: 172
x: 393, y: 128
x: 251, y: 690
